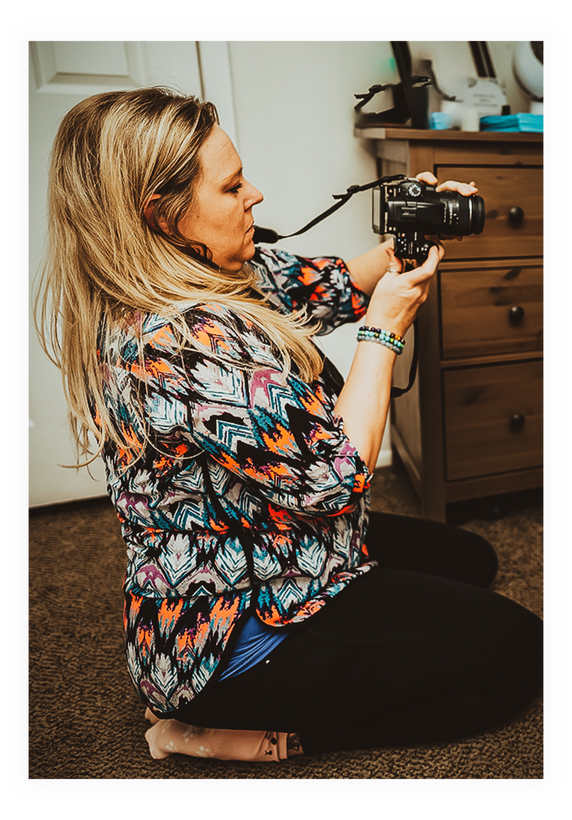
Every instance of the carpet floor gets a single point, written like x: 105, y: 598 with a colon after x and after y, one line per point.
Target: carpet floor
x: 85, y: 718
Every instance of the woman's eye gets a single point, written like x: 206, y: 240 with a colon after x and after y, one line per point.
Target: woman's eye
x: 236, y: 188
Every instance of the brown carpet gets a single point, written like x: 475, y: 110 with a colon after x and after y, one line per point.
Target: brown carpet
x: 86, y: 721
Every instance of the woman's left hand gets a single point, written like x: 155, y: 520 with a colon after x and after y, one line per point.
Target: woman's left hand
x: 463, y: 188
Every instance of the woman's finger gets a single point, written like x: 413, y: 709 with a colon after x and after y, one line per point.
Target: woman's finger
x: 427, y: 269
x: 463, y: 188
x: 428, y: 177
x: 395, y: 265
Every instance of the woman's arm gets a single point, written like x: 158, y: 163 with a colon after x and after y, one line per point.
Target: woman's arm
x: 364, y: 401
x: 395, y: 299
x: 367, y: 269
x: 322, y: 286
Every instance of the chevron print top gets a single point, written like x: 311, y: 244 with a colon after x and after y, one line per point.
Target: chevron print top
x: 248, y: 497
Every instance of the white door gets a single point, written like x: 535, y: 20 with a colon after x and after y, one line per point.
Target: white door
x: 61, y: 75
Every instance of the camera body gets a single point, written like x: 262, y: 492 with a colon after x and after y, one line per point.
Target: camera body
x: 410, y: 210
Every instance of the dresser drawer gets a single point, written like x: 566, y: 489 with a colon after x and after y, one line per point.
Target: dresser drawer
x: 493, y: 419
x: 491, y: 311
x: 513, y: 207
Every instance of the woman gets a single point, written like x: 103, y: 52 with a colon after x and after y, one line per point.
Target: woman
x: 261, y: 598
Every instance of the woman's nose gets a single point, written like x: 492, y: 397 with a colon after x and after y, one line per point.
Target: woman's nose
x: 254, y: 196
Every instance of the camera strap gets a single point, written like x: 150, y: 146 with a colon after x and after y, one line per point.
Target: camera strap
x: 396, y: 392
x: 269, y: 236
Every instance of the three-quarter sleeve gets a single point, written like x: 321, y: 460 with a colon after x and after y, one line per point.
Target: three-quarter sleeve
x: 321, y: 285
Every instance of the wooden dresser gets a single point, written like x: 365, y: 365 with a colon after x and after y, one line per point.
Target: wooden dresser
x: 472, y: 424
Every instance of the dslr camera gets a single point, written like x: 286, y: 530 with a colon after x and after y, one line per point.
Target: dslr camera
x: 410, y: 209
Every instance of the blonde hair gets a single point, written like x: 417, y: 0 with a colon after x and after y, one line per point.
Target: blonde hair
x: 106, y: 264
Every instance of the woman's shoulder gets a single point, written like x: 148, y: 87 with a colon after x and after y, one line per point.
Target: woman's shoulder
x: 211, y: 327
x: 194, y: 313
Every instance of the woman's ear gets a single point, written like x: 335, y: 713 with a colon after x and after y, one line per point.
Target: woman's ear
x: 148, y: 211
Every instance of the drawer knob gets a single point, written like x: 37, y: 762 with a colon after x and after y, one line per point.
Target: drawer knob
x: 516, y: 314
x: 516, y: 215
x: 517, y: 422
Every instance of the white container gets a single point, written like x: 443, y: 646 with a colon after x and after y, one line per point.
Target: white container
x: 470, y: 119
x: 454, y: 109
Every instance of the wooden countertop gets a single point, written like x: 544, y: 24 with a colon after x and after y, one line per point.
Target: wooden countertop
x: 379, y: 132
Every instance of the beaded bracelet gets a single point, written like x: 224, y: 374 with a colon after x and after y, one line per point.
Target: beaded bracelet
x: 383, y: 337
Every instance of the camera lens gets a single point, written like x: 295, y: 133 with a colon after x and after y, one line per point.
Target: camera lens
x: 477, y: 220
x: 464, y: 215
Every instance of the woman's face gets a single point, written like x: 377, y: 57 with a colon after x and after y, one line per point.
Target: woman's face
x: 221, y: 213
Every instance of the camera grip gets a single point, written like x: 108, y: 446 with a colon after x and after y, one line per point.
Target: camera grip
x: 412, y: 246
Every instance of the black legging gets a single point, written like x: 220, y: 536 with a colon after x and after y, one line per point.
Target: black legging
x: 416, y: 651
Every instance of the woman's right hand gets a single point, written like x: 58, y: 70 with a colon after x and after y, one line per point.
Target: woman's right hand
x: 364, y: 400
x: 398, y: 296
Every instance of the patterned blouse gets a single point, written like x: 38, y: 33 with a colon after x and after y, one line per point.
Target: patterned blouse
x: 249, y: 498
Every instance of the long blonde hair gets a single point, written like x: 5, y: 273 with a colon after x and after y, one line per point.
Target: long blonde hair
x: 106, y: 262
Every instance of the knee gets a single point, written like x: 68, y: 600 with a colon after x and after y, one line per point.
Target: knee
x: 521, y: 657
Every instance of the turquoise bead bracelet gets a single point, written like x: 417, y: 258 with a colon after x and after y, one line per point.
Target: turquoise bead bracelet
x: 382, y: 337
